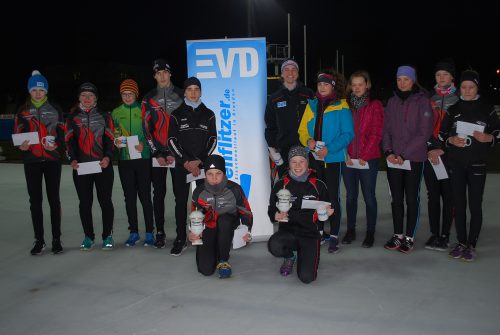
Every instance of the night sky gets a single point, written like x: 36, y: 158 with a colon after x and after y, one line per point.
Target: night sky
x: 376, y: 35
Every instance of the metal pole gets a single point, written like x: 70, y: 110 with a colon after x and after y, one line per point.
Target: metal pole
x: 305, y: 55
x: 289, y: 40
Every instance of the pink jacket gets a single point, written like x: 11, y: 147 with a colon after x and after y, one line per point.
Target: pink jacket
x: 368, y: 128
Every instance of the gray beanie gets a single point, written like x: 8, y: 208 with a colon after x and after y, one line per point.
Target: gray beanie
x: 298, y: 151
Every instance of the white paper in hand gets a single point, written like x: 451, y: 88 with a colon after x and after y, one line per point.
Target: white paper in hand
x: 439, y: 170
x: 314, y: 204
x: 132, y: 141
x: 190, y: 177
x: 89, y: 168
x: 239, y: 233
x: 156, y: 164
x: 32, y: 137
x: 406, y: 165
x: 468, y: 128
x: 356, y: 165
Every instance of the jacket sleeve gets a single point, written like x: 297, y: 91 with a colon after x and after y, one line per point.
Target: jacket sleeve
x: 108, y: 138
x: 19, y: 123
x: 376, y: 123
x: 346, y: 134
x: 271, y: 131
x: 387, y: 132
x: 493, y: 127
x: 423, y: 127
x: 304, y: 135
x: 212, y: 139
x: 243, y: 207
x: 271, y: 209
x: 148, y: 127
x: 445, y: 129
x: 71, y: 141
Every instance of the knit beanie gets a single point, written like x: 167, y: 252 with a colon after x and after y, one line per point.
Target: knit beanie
x: 129, y: 85
x: 37, y: 81
x: 87, y: 87
x: 215, y: 162
x: 407, y: 71
x: 325, y: 78
x: 289, y: 62
x: 160, y: 64
x: 298, y: 151
x: 470, y: 75
x: 192, y: 81
x: 445, y: 66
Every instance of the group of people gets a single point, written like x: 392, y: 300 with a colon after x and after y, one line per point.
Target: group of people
x: 341, y: 133
x: 315, y: 140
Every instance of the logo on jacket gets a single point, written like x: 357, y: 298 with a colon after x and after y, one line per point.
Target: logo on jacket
x: 281, y: 104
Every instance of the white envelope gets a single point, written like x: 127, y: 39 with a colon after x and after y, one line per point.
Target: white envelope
x: 89, y: 168
x: 190, y: 177
x: 314, y: 204
x: 406, y: 165
x: 156, y: 164
x: 468, y: 128
x: 440, y: 170
x: 132, y: 141
x: 18, y: 139
x: 356, y: 165
x: 239, y: 232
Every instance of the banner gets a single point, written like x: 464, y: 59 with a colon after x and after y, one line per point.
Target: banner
x: 233, y: 77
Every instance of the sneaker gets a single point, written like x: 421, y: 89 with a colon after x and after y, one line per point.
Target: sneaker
x: 38, y: 247
x: 324, y: 238
x: 224, y: 269
x: 287, y: 266
x: 108, y: 243
x: 56, y: 246
x: 178, y: 248
x: 457, y: 251
x: 349, y: 236
x: 443, y: 243
x: 406, y: 246
x: 469, y: 254
x: 133, y: 237
x: 333, y: 246
x: 149, y: 240
x: 87, y: 244
x: 432, y: 242
x: 369, y: 239
x: 394, y: 243
x: 160, y: 241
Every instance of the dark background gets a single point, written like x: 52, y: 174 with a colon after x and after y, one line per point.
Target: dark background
x: 106, y: 42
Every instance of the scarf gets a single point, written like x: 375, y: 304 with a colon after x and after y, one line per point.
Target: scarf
x: 216, y: 189
x: 193, y: 104
x: 443, y: 91
x: 39, y: 104
x: 300, y: 179
x: 358, y: 102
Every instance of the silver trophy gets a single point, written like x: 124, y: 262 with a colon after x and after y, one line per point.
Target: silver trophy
x: 196, y: 226
x: 284, y: 203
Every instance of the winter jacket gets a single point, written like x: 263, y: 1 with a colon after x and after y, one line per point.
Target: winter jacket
x: 89, y: 135
x: 46, y: 120
x: 337, y: 128
x: 407, y: 126
x: 440, y: 104
x: 368, y: 127
x: 127, y: 121
x: 302, y: 222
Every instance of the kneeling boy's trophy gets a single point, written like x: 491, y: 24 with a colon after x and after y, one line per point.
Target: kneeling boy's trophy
x: 196, y: 226
x: 284, y: 203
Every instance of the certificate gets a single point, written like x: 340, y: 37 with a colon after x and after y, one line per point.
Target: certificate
x: 406, y: 165
x: 239, y: 233
x: 132, y: 141
x: 156, y: 164
x: 89, y: 168
x: 314, y: 204
x: 468, y: 128
x: 190, y: 177
x: 439, y: 170
x: 356, y: 165
x: 32, y: 137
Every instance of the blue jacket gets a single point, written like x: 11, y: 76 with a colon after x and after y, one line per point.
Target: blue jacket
x: 337, y: 129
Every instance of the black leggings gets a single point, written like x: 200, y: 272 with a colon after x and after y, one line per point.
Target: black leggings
x: 405, y: 184
x: 216, y: 244
x: 437, y: 190
x: 34, y: 173
x: 85, y: 189
x: 135, y: 176
x: 283, y: 243
x: 159, y: 180
x: 468, y: 183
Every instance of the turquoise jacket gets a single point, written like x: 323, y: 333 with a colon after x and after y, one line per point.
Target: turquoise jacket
x: 337, y: 129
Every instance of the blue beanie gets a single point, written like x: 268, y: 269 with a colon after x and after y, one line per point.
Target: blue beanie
x: 37, y: 81
x: 407, y: 71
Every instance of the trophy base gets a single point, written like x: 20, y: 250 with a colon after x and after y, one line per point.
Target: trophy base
x: 197, y: 242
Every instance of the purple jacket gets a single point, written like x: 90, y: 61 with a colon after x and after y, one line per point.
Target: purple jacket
x: 407, y: 126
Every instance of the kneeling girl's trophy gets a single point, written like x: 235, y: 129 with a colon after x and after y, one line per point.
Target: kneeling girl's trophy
x: 284, y: 203
x: 196, y: 226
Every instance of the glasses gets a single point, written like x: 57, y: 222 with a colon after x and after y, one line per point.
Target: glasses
x: 128, y: 95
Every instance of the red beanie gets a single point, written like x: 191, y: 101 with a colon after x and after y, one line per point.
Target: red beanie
x: 129, y: 85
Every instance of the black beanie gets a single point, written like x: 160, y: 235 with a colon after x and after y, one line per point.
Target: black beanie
x: 87, y: 87
x: 215, y: 162
x: 192, y: 81
x: 161, y: 65
x: 446, y: 66
x: 470, y: 75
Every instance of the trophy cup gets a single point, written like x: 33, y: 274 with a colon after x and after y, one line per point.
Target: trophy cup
x: 284, y: 203
x: 196, y: 226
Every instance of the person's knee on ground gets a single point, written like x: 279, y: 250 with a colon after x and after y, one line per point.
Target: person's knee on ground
x: 282, y: 244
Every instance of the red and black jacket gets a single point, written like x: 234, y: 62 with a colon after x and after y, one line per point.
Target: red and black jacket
x: 89, y: 135
x: 46, y: 120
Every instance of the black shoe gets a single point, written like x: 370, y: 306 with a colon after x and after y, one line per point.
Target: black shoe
x: 407, y: 246
x: 38, y: 247
x: 432, y: 242
x: 178, y: 248
x: 443, y: 243
x: 56, y: 246
x: 369, y: 239
x: 349, y: 236
x: 160, y: 241
x: 394, y: 243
